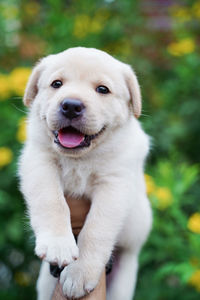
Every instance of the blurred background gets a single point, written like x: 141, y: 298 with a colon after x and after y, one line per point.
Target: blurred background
x: 161, y: 40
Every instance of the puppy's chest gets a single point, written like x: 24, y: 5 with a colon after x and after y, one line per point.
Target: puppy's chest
x: 76, y: 180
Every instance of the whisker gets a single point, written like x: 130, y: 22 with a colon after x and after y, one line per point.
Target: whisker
x: 19, y: 109
x: 16, y: 98
x: 144, y: 115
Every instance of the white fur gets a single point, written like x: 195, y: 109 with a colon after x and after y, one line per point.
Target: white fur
x: 109, y: 173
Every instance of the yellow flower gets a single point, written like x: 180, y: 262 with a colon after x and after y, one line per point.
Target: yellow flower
x: 18, y: 80
x: 150, y: 185
x: 22, y: 278
x: 9, y: 11
x: 184, y: 46
x: 98, y: 21
x: 121, y: 47
x: 194, y: 223
x: 5, y: 89
x: 181, y: 14
x: 32, y: 9
x: 81, y: 26
x: 164, y: 197
x: 21, y: 133
x: 96, y: 26
x: 6, y: 156
x: 85, y: 24
x: 195, y: 280
x: 196, y: 9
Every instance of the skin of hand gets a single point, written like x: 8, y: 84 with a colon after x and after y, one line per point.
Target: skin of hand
x: 79, y: 208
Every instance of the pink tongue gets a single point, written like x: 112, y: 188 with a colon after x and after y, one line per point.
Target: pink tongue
x: 70, y: 137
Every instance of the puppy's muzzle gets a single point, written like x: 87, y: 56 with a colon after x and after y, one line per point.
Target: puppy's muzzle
x: 72, y: 108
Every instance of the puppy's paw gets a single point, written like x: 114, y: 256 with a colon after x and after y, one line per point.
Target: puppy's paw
x: 60, y: 250
x: 77, y: 280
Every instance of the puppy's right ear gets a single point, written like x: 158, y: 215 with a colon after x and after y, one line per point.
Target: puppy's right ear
x: 134, y: 90
x: 32, y: 85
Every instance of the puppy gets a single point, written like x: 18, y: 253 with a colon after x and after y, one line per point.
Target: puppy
x: 84, y: 139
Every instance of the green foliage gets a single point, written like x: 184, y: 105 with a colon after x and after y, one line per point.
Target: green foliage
x: 163, y: 48
x: 171, y: 255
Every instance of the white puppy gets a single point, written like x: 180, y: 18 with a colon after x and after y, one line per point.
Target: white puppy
x: 84, y: 139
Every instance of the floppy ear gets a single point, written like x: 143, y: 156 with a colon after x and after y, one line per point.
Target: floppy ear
x: 134, y: 90
x: 32, y: 85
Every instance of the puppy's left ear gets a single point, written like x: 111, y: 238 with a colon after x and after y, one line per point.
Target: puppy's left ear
x: 134, y: 91
x: 32, y: 85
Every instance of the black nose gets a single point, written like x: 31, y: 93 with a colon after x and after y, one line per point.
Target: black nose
x: 72, y: 108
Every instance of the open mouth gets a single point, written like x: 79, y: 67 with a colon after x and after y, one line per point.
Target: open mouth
x: 71, y: 138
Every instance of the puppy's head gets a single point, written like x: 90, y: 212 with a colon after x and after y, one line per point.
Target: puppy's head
x: 82, y: 95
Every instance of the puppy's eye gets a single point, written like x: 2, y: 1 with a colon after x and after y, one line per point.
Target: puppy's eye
x: 102, y: 89
x: 56, y: 84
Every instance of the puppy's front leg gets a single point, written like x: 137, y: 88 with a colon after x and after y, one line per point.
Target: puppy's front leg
x: 96, y: 240
x: 49, y: 213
